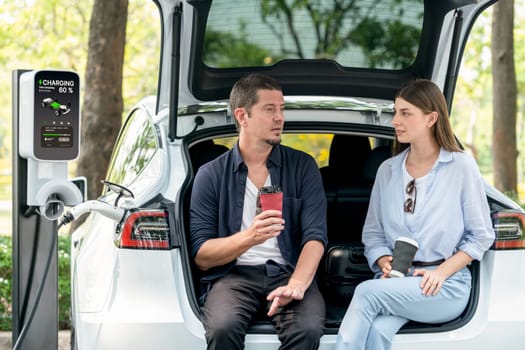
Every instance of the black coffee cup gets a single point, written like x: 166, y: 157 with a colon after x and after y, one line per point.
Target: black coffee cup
x: 404, y: 251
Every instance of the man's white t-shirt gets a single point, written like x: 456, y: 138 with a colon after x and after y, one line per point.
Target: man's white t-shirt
x: 259, y: 254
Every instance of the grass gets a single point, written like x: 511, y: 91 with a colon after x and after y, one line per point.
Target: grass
x: 64, y: 295
x: 5, y: 283
x: 5, y: 223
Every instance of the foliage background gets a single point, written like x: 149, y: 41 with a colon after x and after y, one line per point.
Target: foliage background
x: 471, y: 113
x: 63, y: 282
x: 53, y: 34
x: 5, y: 282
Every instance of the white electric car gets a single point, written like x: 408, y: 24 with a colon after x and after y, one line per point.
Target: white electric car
x: 134, y: 284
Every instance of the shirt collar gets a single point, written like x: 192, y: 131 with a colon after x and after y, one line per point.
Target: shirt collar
x: 275, y: 157
x: 444, y: 157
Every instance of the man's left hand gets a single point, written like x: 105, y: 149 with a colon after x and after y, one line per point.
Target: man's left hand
x: 281, y: 296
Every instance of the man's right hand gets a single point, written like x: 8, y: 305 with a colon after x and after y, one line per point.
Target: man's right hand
x: 223, y: 250
x: 267, y: 224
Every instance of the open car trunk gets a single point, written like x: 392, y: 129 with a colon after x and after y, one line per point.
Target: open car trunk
x: 344, y: 265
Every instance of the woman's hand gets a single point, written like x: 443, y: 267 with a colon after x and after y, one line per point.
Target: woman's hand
x: 431, y: 281
x: 385, y: 264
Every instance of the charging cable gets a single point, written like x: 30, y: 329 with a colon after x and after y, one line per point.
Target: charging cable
x: 114, y: 213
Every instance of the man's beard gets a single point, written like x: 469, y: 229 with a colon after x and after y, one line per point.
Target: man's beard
x: 273, y: 142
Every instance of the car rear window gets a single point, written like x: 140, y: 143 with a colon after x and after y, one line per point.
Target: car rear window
x: 135, y: 149
x: 317, y: 145
x: 359, y: 34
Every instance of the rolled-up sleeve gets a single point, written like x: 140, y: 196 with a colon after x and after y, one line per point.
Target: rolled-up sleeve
x: 479, y: 233
x: 203, y: 209
x: 373, y: 237
x: 313, y: 214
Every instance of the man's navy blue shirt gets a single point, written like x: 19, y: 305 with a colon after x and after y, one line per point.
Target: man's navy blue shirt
x: 217, y: 201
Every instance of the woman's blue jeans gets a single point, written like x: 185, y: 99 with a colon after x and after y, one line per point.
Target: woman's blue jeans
x: 380, y: 307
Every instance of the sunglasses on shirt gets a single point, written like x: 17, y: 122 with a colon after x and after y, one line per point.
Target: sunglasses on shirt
x: 410, y: 203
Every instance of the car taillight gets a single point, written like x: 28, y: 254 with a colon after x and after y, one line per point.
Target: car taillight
x: 508, y: 226
x: 145, y: 229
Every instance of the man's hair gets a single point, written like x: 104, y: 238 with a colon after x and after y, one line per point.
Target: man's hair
x: 244, y: 91
x: 427, y: 96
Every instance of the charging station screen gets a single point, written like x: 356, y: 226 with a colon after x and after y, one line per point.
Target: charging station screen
x: 56, y: 115
x: 57, y: 136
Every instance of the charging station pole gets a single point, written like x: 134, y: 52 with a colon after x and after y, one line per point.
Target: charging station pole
x: 32, y: 239
x: 46, y: 134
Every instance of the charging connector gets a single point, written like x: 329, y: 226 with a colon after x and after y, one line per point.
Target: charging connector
x: 103, y: 208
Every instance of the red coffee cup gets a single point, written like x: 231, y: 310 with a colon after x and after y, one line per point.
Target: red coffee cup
x: 272, y: 201
x: 270, y: 198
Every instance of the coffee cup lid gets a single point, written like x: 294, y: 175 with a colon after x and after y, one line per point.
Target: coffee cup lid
x: 408, y: 240
x: 395, y: 273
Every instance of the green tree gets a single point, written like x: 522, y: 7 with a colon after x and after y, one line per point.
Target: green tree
x: 38, y: 35
x: 142, y: 52
x: 120, y: 72
x: 103, y: 103
x: 228, y: 50
x: 471, y: 108
x: 519, y: 57
x: 472, y: 114
x: 54, y: 34
x: 504, y: 97
x: 340, y: 24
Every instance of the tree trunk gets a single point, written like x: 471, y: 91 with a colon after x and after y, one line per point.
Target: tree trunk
x: 504, y: 98
x: 103, y: 104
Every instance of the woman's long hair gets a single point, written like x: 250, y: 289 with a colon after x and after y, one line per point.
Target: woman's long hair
x: 427, y: 96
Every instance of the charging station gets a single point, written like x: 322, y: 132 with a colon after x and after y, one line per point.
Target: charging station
x: 46, y: 135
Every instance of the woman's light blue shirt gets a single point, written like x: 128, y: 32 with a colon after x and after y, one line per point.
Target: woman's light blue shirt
x: 454, y: 215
